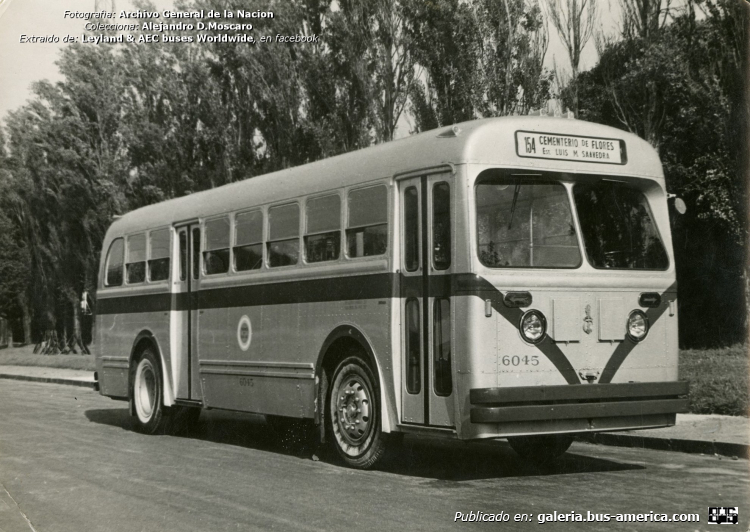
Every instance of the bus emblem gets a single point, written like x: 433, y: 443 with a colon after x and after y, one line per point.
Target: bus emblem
x: 244, y: 333
x: 588, y: 321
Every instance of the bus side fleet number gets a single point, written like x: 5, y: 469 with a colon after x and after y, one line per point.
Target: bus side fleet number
x: 516, y: 360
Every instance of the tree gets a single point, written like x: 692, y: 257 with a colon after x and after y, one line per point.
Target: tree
x: 514, y: 43
x: 394, y: 70
x: 447, y: 45
x: 644, y: 18
x: 575, y: 21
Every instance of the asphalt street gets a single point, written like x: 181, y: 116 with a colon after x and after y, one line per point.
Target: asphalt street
x: 70, y: 461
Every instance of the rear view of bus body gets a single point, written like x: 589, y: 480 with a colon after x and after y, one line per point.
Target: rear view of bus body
x: 509, y: 277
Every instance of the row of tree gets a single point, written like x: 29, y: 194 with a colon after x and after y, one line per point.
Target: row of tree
x: 131, y: 125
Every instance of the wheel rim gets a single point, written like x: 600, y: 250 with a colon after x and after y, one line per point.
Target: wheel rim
x: 354, y: 418
x: 145, y: 390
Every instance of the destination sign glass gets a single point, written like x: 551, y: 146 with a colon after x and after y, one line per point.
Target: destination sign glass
x: 570, y: 148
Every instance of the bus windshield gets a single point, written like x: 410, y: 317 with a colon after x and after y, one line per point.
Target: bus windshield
x: 525, y: 224
x: 617, y: 226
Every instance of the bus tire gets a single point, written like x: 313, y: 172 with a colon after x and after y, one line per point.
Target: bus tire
x: 152, y: 417
x: 541, y: 450
x: 354, y: 414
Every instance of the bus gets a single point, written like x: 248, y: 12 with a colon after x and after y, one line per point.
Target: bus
x: 500, y: 278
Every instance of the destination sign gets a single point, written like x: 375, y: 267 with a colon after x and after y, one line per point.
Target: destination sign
x: 570, y: 148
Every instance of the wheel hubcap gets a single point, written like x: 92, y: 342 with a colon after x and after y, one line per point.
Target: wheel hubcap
x: 145, y: 391
x: 353, y: 405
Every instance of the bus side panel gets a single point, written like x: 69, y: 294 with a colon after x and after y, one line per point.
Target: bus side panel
x: 270, y: 376
x: 275, y: 374
x: 116, y: 335
x: 114, y: 342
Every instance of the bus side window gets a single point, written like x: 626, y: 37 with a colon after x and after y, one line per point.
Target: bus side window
x: 323, y: 229
x: 136, y: 262
x: 196, y: 247
x: 441, y: 348
x: 367, y: 230
x: 158, y: 263
x: 115, y: 257
x: 216, y: 254
x: 283, y: 245
x: 441, y: 226
x: 248, y: 241
x: 183, y: 255
x: 411, y: 229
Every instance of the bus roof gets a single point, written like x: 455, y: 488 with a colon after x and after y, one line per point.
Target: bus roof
x: 487, y: 141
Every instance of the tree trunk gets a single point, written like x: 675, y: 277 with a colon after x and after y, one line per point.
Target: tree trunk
x: 24, y: 304
x: 77, y: 320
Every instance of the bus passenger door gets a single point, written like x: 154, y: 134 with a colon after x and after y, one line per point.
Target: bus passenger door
x: 426, y: 252
x: 184, y: 331
x: 195, y: 280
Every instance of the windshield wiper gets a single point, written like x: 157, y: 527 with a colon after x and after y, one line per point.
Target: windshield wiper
x: 513, y: 205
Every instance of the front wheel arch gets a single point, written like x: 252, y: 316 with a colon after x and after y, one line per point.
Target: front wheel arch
x: 146, y: 340
x: 337, y: 346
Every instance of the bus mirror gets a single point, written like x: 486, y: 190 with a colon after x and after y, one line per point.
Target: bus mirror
x: 679, y: 204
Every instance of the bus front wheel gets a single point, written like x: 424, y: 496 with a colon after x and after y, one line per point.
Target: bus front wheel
x: 541, y: 450
x: 151, y: 415
x: 354, y: 414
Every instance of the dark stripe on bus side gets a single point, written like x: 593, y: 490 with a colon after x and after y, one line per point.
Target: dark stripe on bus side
x: 373, y: 286
x: 626, y: 346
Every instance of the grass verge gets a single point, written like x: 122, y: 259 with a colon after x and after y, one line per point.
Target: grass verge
x: 24, y: 356
x: 718, y: 380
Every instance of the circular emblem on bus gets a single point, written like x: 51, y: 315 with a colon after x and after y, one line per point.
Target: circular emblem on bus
x: 244, y: 333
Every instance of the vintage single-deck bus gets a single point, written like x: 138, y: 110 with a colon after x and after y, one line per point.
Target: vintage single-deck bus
x: 501, y: 278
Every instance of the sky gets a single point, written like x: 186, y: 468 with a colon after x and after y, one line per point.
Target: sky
x: 22, y: 64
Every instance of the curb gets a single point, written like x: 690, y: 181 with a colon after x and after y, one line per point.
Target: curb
x: 50, y: 380
x: 732, y: 450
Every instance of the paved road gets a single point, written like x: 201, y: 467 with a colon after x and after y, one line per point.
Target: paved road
x: 69, y: 461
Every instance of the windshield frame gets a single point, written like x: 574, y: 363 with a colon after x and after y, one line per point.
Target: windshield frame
x: 652, y: 189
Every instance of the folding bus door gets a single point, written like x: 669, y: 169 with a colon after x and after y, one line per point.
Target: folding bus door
x: 184, y: 312
x: 426, y: 310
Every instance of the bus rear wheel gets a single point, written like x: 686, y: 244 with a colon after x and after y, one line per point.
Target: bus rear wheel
x: 151, y: 415
x: 354, y: 414
x: 541, y: 450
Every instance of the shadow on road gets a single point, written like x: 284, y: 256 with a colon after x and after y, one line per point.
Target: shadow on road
x: 460, y: 461
x: 440, y: 460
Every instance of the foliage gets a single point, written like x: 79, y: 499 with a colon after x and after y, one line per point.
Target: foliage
x: 718, y: 380
x: 481, y: 58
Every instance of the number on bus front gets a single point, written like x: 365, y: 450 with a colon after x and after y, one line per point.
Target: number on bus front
x: 516, y: 360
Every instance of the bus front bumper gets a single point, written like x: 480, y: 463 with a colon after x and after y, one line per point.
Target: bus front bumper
x: 577, y: 401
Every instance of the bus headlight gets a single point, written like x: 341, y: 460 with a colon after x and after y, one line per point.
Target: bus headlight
x: 533, y: 326
x: 637, y: 325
